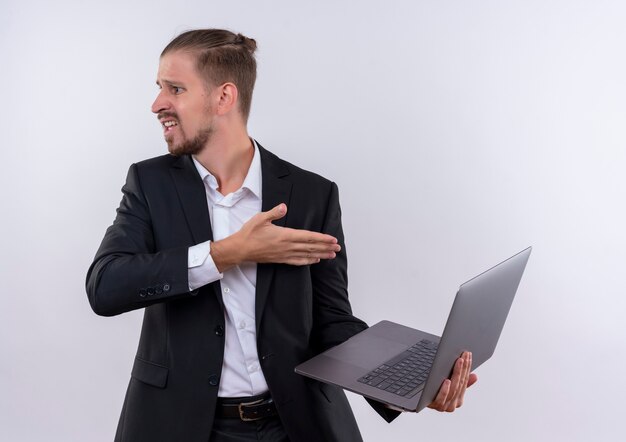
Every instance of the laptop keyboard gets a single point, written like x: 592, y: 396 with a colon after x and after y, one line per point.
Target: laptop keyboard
x: 404, y: 374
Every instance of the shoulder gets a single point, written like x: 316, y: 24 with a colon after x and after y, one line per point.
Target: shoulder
x: 162, y: 162
x: 159, y: 168
x: 291, y: 172
x: 156, y: 173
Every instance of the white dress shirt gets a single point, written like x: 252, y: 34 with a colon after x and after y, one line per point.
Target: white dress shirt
x: 241, y: 370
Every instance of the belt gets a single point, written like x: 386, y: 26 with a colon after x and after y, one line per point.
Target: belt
x: 247, y: 408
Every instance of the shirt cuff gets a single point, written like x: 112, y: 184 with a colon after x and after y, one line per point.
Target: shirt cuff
x: 201, y: 268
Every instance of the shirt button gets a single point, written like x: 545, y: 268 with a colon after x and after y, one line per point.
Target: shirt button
x: 226, y: 290
x: 214, y: 380
x: 242, y: 325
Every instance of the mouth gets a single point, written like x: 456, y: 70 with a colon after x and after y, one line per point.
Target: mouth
x: 169, y: 126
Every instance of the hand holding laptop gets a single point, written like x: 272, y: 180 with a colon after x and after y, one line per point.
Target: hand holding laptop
x: 452, y: 391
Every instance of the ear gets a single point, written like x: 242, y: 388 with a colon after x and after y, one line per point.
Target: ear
x: 227, y: 98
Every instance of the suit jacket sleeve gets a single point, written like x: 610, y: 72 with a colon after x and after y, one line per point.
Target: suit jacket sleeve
x: 332, y: 314
x: 333, y: 322
x: 127, y: 273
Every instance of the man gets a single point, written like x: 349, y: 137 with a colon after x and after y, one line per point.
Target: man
x: 237, y: 289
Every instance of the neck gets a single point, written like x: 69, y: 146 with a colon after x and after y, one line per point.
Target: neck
x: 228, y: 156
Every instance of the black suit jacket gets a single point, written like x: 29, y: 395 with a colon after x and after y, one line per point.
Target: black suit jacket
x: 300, y: 311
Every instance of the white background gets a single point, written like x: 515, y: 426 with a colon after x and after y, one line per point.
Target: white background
x: 459, y: 132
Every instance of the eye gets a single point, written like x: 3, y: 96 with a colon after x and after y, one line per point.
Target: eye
x: 177, y: 90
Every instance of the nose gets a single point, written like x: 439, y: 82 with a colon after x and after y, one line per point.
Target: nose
x: 160, y: 103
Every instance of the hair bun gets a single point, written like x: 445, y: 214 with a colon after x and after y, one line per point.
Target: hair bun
x: 249, y: 43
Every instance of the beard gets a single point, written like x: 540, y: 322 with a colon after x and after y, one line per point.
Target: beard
x: 193, y: 146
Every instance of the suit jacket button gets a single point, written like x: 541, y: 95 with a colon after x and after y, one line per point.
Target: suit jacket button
x: 214, y: 380
x: 158, y: 290
x: 166, y: 287
x: 219, y: 330
x: 142, y: 293
x: 150, y: 291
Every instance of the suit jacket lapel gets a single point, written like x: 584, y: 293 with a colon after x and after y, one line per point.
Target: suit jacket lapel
x: 192, y: 196
x: 275, y: 190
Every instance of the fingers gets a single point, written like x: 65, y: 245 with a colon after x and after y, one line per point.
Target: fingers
x: 457, y: 383
x: 452, y: 392
x: 264, y: 241
x: 465, y: 380
x: 310, y: 256
x: 297, y: 235
x: 302, y: 261
x: 276, y: 213
x: 305, y: 257
x: 473, y: 378
x: 440, y: 399
x: 318, y: 250
x: 307, y: 237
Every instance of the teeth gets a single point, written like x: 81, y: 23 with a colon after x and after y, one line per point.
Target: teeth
x: 170, y: 123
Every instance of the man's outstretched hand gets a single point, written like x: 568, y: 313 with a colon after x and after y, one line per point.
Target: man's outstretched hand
x: 261, y: 241
x: 452, y: 391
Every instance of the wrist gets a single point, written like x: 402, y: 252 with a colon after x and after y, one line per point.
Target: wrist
x: 226, y: 253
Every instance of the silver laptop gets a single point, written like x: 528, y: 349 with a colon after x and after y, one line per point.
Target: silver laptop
x: 404, y: 367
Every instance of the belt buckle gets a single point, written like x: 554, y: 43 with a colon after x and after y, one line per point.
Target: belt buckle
x: 245, y: 404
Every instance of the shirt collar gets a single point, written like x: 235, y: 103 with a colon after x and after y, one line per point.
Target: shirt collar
x: 252, y: 182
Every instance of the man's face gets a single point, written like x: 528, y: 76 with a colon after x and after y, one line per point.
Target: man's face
x: 183, y: 105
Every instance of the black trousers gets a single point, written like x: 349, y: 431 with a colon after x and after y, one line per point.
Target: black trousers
x: 236, y: 430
